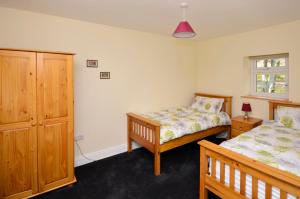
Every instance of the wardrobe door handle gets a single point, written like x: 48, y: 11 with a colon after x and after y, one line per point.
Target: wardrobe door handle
x: 33, y: 124
x: 40, y: 124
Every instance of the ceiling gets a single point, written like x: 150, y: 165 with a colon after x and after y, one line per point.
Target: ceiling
x: 209, y: 18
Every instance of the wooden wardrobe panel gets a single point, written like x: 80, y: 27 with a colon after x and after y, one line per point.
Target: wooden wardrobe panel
x: 53, y: 153
x: 18, y: 167
x: 55, y: 119
x: 17, y: 87
x: 18, y: 138
x: 55, y: 68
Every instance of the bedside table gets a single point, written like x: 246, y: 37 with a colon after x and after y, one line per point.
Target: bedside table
x: 240, y: 125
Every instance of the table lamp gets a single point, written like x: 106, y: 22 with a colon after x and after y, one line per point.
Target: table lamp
x: 246, y: 108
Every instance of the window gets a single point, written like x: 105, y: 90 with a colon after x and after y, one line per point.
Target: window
x: 270, y: 76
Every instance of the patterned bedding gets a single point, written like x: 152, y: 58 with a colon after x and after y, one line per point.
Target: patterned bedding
x: 177, y: 122
x: 276, y: 146
x: 273, y: 145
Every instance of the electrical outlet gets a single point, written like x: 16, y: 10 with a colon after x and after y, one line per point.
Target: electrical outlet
x: 79, y: 137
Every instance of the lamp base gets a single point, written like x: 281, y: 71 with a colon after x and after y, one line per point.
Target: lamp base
x: 246, y: 117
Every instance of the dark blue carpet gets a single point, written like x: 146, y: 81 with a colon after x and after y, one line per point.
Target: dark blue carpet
x: 130, y: 176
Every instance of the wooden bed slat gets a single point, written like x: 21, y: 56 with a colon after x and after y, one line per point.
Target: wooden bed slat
x: 254, y: 187
x: 153, y: 136
x: 283, y: 194
x: 222, y: 172
x: 213, y: 168
x: 232, y: 178
x: 268, y: 191
x: 135, y: 127
x: 243, y: 183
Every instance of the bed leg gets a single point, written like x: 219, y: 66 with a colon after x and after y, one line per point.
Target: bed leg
x: 129, y: 144
x: 203, y: 193
x: 157, y: 163
x: 229, y: 133
x: 203, y: 172
x: 129, y: 140
x: 157, y: 151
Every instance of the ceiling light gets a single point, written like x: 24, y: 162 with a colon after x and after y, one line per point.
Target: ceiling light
x: 184, y: 29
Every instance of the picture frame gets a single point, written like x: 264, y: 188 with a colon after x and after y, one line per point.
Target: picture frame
x: 92, y: 63
x: 104, y: 75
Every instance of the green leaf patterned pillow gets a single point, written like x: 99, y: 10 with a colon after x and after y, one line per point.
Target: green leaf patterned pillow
x: 288, y: 117
x: 207, y: 105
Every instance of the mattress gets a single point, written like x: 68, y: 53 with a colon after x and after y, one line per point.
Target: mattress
x: 177, y: 122
x: 275, y: 146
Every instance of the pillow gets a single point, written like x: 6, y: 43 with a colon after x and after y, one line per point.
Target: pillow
x: 207, y: 105
x: 288, y: 117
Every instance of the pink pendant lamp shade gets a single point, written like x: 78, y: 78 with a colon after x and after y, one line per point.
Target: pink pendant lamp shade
x: 184, y: 29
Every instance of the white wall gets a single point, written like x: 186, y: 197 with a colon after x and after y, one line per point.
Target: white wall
x: 222, y: 64
x: 148, y: 71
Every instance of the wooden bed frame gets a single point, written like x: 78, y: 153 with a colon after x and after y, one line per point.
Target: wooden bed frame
x: 286, y: 182
x: 146, y: 132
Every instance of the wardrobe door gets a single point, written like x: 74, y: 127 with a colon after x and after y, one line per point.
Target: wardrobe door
x: 18, y: 138
x: 55, y: 120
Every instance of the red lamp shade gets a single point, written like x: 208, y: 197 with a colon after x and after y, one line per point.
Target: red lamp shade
x: 184, y: 30
x: 246, y: 107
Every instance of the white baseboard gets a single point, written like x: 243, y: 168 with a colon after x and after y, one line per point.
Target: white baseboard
x: 104, y: 153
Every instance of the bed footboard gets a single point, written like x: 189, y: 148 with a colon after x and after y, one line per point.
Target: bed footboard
x: 146, y: 132
x: 287, y: 183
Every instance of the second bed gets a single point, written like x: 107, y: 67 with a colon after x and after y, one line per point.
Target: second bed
x: 270, y: 144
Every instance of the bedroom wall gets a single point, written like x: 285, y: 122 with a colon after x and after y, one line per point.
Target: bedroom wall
x: 148, y: 71
x: 223, y: 66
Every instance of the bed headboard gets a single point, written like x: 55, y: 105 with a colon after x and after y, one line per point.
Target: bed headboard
x: 273, y: 104
x: 227, y: 101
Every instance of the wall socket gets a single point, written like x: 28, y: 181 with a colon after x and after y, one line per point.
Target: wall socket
x: 79, y: 137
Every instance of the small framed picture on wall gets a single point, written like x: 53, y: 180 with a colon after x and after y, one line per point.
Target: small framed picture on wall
x: 104, y: 75
x: 92, y: 63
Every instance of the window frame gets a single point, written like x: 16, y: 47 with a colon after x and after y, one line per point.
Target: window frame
x: 272, y: 71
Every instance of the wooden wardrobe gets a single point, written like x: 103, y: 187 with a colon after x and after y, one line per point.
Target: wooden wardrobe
x: 36, y: 122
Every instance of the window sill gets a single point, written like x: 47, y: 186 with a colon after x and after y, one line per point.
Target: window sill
x: 265, y: 98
